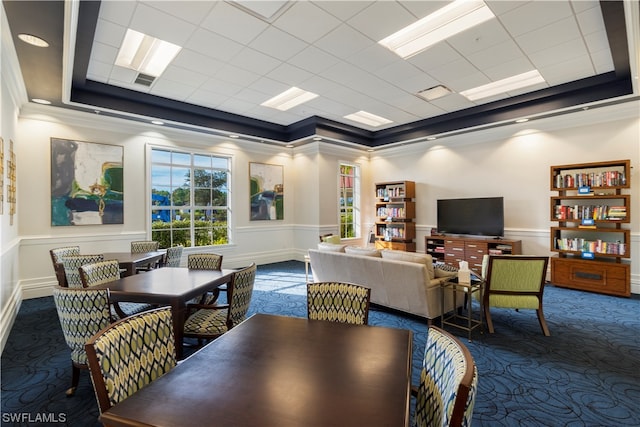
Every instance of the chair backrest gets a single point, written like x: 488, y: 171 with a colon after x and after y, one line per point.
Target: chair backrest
x: 82, y: 313
x: 100, y: 272
x: 129, y: 354
x: 330, y: 238
x: 239, y: 292
x: 448, y: 382
x: 173, y: 256
x: 56, y: 257
x: 204, y: 261
x: 515, y: 281
x: 142, y: 246
x: 72, y: 264
x: 338, y: 302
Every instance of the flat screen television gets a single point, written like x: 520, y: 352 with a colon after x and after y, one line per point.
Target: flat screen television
x: 483, y: 216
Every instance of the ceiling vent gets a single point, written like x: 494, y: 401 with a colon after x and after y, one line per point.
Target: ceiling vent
x: 144, y: 79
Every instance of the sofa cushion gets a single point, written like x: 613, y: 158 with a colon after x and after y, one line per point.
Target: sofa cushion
x: 425, y: 259
x: 330, y: 247
x: 355, y: 250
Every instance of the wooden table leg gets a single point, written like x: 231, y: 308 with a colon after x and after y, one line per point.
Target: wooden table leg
x: 178, y: 310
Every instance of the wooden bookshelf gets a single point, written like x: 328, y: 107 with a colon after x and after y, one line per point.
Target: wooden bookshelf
x: 592, y: 237
x: 395, y: 209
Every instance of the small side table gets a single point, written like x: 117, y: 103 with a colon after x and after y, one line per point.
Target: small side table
x: 467, y: 322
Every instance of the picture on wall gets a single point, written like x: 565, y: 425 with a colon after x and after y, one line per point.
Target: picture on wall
x: 12, y: 185
x: 266, y: 191
x: 86, y: 183
x: 1, y: 175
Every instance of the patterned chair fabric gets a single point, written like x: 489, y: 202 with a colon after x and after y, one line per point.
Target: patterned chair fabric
x: 142, y: 246
x: 82, y: 313
x: 206, y: 262
x: 211, y: 321
x: 448, y: 382
x: 101, y: 272
x: 56, y: 257
x: 173, y: 256
x: 338, y: 302
x: 130, y: 354
x: 72, y: 264
x: 515, y: 281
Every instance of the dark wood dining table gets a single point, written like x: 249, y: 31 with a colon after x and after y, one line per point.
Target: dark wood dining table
x: 130, y: 261
x: 282, y: 372
x: 172, y: 286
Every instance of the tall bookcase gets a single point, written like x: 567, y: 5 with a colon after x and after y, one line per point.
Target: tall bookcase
x: 591, y: 238
x: 395, y: 226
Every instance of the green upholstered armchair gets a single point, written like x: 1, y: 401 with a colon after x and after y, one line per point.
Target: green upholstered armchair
x: 338, y: 302
x: 130, y: 354
x: 515, y: 281
x: 448, y: 382
x: 98, y: 273
x: 72, y: 264
x: 56, y: 257
x: 82, y: 313
x: 211, y: 321
x: 206, y: 261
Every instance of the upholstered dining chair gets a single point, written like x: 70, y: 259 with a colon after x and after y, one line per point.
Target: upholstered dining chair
x: 82, y: 313
x: 515, y: 281
x: 56, y: 257
x: 72, y: 264
x: 173, y: 256
x: 209, y: 321
x: 101, y: 272
x: 338, y: 302
x: 448, y: 382
x: 206, y: 261
x: 129, y: 354
x: 142, y: 246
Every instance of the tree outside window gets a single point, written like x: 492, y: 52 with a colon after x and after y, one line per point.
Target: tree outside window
x: 349, y: 200
x: 189, y: 198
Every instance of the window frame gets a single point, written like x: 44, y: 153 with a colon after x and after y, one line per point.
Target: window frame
x: 356, y: 206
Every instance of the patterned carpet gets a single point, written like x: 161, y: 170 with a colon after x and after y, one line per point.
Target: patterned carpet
x: 587, y: 373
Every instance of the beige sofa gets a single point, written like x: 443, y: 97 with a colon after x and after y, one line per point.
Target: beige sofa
x: 404, y: 281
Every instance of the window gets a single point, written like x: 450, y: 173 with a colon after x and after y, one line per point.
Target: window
x: 349, y: 200
x: 189, y: 198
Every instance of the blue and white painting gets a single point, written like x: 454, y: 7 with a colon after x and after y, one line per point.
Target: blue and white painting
x: 86, y: 183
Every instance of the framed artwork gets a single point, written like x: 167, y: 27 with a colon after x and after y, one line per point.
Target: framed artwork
x: 86, y: 183
x: 266, y: 193
x: 1, y: 175
x: 11, y: 186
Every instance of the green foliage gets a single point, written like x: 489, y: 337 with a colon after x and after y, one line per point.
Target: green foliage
x: 178, y: 233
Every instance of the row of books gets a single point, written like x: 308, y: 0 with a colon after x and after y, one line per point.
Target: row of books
x: 599, y: 212
x: 390, y: 192
x: 391, y: 212
x: 596, y: 246
x: 610, y: 178
x: 392, y: 233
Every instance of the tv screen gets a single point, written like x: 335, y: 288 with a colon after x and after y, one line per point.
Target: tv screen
x: 476, y: 216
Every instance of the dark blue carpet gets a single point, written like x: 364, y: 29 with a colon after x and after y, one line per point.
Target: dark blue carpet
x: 586, y: 374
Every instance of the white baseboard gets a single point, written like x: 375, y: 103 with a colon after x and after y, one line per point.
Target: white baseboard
x: 8, y: 316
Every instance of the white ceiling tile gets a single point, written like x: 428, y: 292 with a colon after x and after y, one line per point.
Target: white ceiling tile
x: 374, y: 58
x: 213, y: 45
x: 171, y: 90
x: 480, y: 37
x: 307, y: 21
x: 452, y: 103
x: 582, y: 5
x: 452, y: 71
x: 574, y: 69
x: 233, y: 23
x: 192, y: 60
x: 118, y: 12
x: 420, y: 9
x: 597, y: 42
x: 109, y: 33
x: 591, y: 21
x: 313, y: 60
x: 190, y: 11
x: 223, y: 88
x: 343, y: 42
x: 342, y: 72
x: 278, y: 44
x: 435, y: 57
x: 161, y: 25
x: 104, y: 53
x: 253, y: 96
x: 321, y: 85
x: 557, y: 54
x: 343, y: 10
x: 252, y: 60
x: 237, y: 76
x: 602, y: 61
x: 509, y: 69
x: 495, y: 55
x: 270, y: 86
x: 500, y: 7
x: 99, y: 71
x: 290, y: 74
x: 183, y: 75
x: 121, y: 75
x: 534, y: 15
x: 528, y: 89
x: 551, y: 35
x: 206, y: 98
x: 416, y: 105
x: 406, y: 76
x: 381, y: 19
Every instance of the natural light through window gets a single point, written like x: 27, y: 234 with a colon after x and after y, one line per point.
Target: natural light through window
x: 349, y: 200
x: 189, y: 198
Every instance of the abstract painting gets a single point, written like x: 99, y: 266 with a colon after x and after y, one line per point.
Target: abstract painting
x: 11, y: 187
x: 266, y: 192
x: 86, y: 183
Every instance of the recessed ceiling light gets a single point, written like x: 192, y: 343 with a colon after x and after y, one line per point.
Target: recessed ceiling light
x: 434, y: 92
x: 370, y: 150
x: 157, y: 122
x: 519, y: 81
x: 522, y: 120
x: 452, y: 19
x: 146, y: 54
x: 234, y: 136
x: 367, y: 118
x: 431, y: 138
x: 289, y: 99
x: 41, y: 101
x: 289, y: 146
x: 317, y: 138
x: 33, y: 40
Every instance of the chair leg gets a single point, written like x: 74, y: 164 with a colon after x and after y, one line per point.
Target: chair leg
x: 543, y: 323
x: 487, y: 316
x: 75, y: 379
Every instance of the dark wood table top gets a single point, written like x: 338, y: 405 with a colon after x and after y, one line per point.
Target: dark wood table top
x: 130, y: 260
x: 282, y: 371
